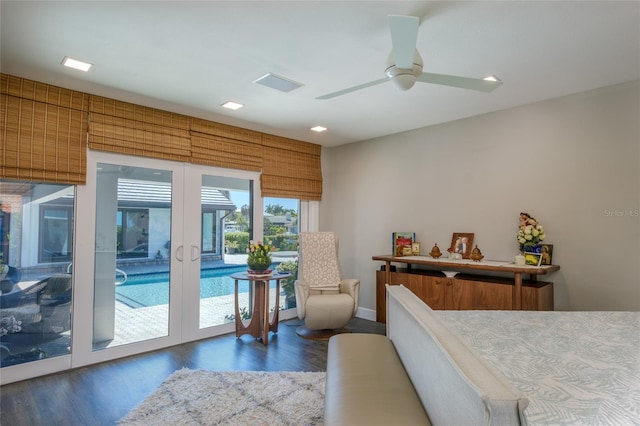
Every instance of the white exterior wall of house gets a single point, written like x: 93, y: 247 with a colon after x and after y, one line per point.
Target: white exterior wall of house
x: 159, y: 231
x: 571, y: 162
x: 28, y: 230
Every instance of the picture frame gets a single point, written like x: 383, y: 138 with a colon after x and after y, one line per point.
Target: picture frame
x: 462, y: 243
x: 401, y: 243
x: 547, y: 254
x: 532, y: 259
x: 415, y: 248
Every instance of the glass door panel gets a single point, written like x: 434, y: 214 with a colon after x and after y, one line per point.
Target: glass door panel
x: 132, y: 255
x: 225, y: 212
x: 36, y: 246
x: 281, y: 229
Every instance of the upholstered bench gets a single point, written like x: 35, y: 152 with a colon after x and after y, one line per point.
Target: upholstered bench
x: 421, y: 373
x: 367, y: 384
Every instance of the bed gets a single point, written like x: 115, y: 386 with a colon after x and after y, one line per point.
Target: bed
x: 575, y: 368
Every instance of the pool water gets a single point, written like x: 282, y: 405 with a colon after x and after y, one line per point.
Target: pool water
x: 153, y: 289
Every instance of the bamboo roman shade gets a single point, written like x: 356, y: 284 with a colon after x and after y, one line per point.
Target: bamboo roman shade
x: 220, y: 145
x: 291, y: 169
x: 44, y: 138
x: 125, y: 128
x: 43, y: 132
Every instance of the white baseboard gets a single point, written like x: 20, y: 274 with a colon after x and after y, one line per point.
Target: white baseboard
x: 365, y: 313
x: 286, y: 314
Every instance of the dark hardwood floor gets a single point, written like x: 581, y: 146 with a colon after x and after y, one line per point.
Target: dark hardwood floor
x: 104, y: 393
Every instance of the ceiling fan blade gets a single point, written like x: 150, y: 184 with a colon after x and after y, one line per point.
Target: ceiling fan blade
x: 461, y: 82
x: 404, y: 35
x: 353, y: 89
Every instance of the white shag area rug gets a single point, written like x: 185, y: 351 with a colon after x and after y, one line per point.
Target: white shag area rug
x: 197, y: 397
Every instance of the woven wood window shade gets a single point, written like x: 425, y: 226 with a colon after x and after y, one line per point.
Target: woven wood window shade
x: 291, y: 169
x: 125, y: 128
x: 220, y: 145
x: 43, y: 132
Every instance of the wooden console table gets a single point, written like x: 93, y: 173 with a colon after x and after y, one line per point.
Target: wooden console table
x: 259, y: 325
x: 484, y: 286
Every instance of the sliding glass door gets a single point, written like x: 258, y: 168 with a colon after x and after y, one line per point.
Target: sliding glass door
x: 132, y: 254
x: 167, y: 237
x: 140, y: 258
x: 225, y: 231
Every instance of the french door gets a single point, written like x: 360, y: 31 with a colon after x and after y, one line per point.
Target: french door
x: 152, y: 244
x: 158, y: 260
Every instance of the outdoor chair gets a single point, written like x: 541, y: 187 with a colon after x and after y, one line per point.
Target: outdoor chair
x: 324, y: 299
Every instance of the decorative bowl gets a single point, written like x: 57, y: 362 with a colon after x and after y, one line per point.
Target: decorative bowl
x: 259, y: 272
x: 450, y: 274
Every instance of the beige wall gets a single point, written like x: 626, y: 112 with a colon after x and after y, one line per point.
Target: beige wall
x: 572, y: 162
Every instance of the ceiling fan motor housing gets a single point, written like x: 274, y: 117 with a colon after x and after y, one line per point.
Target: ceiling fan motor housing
x: 404, y: 78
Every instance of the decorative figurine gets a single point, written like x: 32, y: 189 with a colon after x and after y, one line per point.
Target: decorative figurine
x: 476, y: 254
x: 435, y: 252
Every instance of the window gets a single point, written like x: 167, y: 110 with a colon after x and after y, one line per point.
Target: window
x: 36, y: 221
x: 281, y: 229
x: 132, y: 233
x: 56, y: 242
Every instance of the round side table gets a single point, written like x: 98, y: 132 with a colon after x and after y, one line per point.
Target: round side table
x: 259, y: 325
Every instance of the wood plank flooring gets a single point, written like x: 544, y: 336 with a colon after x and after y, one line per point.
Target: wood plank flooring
x: 102, y: 394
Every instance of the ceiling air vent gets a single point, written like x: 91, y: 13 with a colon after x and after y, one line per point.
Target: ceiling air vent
x: 279, y: 83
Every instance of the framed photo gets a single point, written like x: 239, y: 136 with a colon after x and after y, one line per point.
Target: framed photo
x: 547, y: 254
x: 532, y: 259
x: 462, y: 243
x: 402, y: 242
x: 415, y: 249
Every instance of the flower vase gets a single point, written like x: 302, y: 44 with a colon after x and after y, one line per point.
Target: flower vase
x: 259, y: 268
x: 536, y: 248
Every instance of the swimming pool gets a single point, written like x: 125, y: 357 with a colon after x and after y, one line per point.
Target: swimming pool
x: 153, y: 289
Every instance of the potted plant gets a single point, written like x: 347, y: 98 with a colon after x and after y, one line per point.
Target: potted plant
x: 232, y: 246
x: 259, y: 257
x: 288, y: 284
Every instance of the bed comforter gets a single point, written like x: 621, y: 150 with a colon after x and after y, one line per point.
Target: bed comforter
x: 576, y: 368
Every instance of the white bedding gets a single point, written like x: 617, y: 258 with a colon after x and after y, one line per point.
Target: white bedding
x: 576, y: 368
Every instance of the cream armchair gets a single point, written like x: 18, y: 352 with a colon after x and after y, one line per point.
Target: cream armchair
x: 324, y: 299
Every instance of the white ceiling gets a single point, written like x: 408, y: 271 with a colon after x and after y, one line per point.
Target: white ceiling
x: 190, y: 57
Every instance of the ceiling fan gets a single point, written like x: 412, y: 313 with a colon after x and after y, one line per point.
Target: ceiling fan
x: 404, y: 66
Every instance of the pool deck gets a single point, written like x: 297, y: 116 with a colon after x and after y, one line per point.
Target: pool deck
x: 137, y: 324
x: 152, y: 322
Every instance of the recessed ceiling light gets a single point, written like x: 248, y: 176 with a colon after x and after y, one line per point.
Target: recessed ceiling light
x: 492, y: 78
x: 232, y: 105
x: 78, y: 65
x: 318, y: 129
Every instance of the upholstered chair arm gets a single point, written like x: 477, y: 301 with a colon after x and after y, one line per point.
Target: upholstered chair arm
x: 302, y: 294
x: 351, y: 286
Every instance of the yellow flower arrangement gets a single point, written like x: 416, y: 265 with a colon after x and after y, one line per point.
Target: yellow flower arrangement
x: 259, y: 256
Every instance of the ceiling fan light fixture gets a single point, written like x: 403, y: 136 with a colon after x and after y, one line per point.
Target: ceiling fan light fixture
x: 404, y: 81
x: 404, y: 78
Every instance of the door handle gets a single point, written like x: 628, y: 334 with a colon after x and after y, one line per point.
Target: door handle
x: 195, y: 253
x: 180, y: 253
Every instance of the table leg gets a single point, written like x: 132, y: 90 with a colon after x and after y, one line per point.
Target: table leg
x: 265, y: 323
x: 238, y: 320
x: 273, y: 326
x: 517, y: 292
x: 255, y: 324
